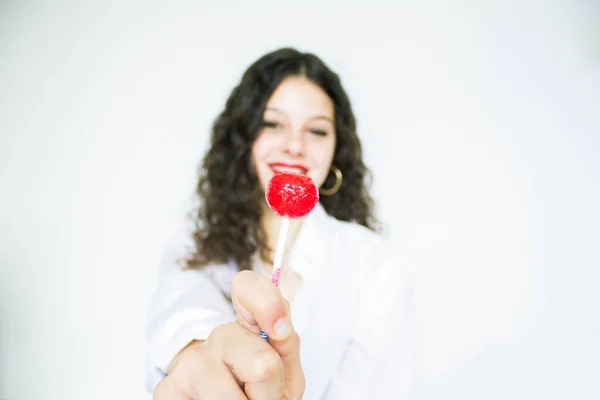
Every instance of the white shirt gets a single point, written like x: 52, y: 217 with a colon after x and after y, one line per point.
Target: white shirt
x: 353, y: 311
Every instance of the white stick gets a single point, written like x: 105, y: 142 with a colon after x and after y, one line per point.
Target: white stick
x: 279, y: 250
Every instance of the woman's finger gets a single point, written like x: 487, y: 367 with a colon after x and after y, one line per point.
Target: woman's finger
x: 253, y: 361
x: 205, y: 376
x: 168, y: 390
x: 260, y: 305
x: 289, y: 352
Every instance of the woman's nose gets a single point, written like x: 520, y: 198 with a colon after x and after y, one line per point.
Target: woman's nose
x: 295, y: 143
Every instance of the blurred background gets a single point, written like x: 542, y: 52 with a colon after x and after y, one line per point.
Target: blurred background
x: 480, y: 121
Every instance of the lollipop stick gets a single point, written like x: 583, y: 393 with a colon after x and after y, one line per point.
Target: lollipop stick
x: 279, y: 250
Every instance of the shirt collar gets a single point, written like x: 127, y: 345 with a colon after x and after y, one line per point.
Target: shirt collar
x: 312, y: 242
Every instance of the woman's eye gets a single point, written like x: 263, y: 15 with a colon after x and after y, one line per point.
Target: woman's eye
x: 270, y: 124
x: 319, y: 132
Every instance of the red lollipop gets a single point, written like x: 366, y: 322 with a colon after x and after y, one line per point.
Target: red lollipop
x: 291, y: 195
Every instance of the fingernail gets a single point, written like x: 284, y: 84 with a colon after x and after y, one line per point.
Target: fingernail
x: 283, y: 328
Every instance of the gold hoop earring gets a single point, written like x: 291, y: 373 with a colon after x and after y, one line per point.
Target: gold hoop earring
x: 336, y: 186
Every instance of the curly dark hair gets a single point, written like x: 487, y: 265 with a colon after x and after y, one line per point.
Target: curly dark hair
x: 227, y: 220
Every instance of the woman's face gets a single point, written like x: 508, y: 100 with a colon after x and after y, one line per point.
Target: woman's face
x: 298, y: 133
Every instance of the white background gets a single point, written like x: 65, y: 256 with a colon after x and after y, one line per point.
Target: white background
x: 479, y: 120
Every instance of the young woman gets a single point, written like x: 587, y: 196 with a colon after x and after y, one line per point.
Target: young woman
x: 340, y: 321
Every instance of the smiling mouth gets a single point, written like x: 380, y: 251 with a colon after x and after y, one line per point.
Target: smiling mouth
x: 290, y: 168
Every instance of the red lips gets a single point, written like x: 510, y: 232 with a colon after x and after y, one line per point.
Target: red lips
x: 276, y: 165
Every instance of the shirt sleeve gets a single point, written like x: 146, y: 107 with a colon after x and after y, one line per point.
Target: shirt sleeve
x: 380, y: 358
x: 187, y: 305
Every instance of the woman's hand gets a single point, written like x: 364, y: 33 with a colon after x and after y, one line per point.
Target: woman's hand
x: 235, y: 362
